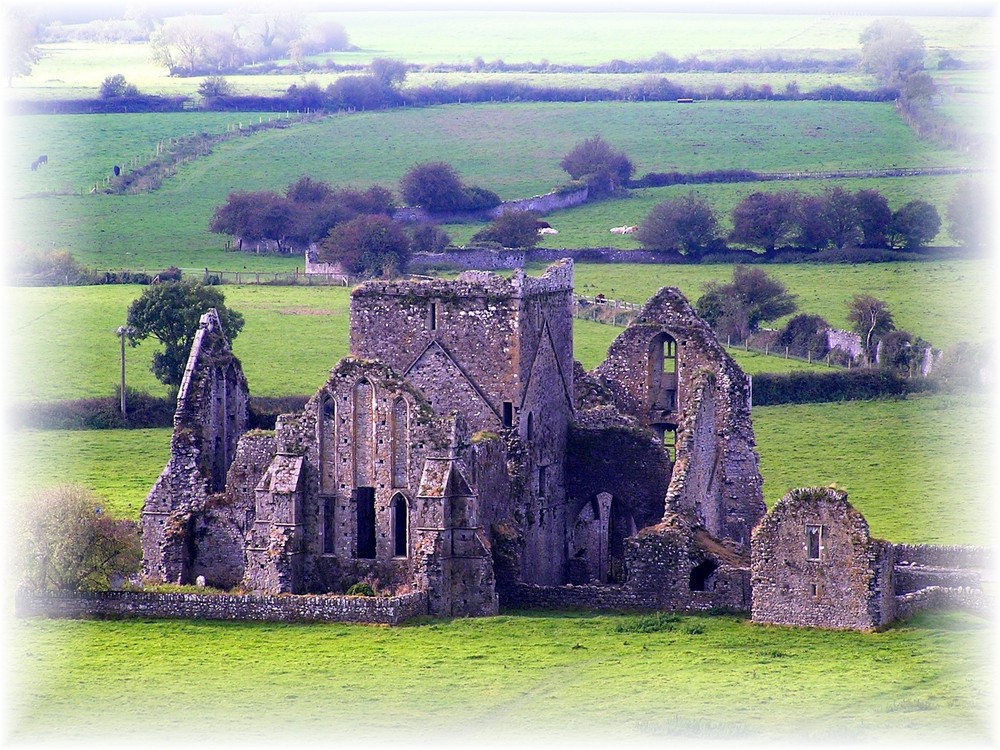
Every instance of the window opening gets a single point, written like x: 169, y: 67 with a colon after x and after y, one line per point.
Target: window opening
x: 399, y: 526
x: 700, y: 574
x: 814, y: 542
x: 530, y: 430
x: 365, y: 502
x: 508, y: 413
x: 329, y: 527
x: 433, y: 316
x: 542, y: 471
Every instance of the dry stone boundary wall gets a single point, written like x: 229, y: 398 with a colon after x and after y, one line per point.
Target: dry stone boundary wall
x: 284, y: 608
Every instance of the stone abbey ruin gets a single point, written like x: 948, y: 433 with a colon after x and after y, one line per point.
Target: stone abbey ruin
x: 460, y: 458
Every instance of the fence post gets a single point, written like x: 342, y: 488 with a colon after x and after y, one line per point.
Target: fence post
x: 786, y: 352
x: 728, y: 342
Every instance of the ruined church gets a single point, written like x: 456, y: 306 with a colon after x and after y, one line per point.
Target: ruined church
x: 460, y: 453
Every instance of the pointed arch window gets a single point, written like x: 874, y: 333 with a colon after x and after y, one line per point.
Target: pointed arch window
x: 400, y: 526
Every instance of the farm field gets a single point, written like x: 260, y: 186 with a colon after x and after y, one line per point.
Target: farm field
x: 513, y: 149
x: 77, y: 68
x: 526, y: 678
x: 293, y: 335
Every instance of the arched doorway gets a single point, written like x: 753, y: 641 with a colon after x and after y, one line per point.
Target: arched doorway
x: 597, y: 545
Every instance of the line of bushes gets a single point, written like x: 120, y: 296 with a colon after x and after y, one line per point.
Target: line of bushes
x: 340, y: 96
x: 770, y: 389
x: 145, y: 411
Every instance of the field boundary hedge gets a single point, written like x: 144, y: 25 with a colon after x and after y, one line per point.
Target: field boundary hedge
x: 772, y: 389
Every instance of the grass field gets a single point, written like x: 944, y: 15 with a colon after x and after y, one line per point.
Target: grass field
x: 514, y: 149
x: 76, y: 69
x: 585, y: 680
x: 294, y: 335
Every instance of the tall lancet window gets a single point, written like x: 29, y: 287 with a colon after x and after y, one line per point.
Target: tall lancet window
x: 364, y: 448
x: 400, y: 442
x: 327, y: 446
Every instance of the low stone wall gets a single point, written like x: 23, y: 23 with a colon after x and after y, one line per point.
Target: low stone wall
x: 285, y: 608
x: 605, y: 599
x: 497, y: 260
x: 914, y: 578
x: 938, y: 597
x: 943, y: 556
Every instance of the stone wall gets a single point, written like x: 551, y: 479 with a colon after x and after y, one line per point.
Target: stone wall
x: 814, y: 563
x: 938, y: 597
x: 944, y: 556
x: 506, y: 259
x: 212, y: 414
x: 285, y: 608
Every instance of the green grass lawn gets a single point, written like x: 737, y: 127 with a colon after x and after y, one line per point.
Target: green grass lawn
x: 525, y: 677
x: 514, y: 149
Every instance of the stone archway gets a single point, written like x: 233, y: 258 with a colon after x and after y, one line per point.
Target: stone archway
x: 597, y: 540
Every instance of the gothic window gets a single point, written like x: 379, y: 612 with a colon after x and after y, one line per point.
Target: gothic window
x: 327, y: 446
x: 399, y: 443
x: 400, y: 526
x: 364, y: 450
x: 530, y: 427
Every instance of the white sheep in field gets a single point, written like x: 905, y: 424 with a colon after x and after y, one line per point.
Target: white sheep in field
x: 548, y: 230
x: 623, y: 230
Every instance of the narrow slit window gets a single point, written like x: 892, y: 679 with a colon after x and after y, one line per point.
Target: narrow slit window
x: 542, y: 472
x: 814, y: 542
x: 400, y: 525
x: 432, y: 316
x: 508, y: 413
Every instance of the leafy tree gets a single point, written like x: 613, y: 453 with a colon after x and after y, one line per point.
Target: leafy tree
x: 687, y: 224
x: 307, y: 96
x: 891, y: 49
x: 215, y: 86
x: 20, y: 44
x: 737, y: 308
x: 388, y: 73
x: 598, y: 164
x: 870, y: 319
x: 307, y: 190
x: 428, y: 238
x: 170, y: 312
x: 899, y: 352
x: 511, y: 229
x: 841, y: 217
x: 368, y: 245
x: 805, y: 335
x: 765, y: 220
x: 67, y: 542
x: 813, y: 231
x: 874, y: 216
x: 437, y: 187
x: 116, y: 86
x: 914, y: 224
x: 969, y: 213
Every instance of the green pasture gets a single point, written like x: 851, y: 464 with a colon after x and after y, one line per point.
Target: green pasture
x: 68, y: 349
x: 514, y: 149
x: 589, y: 225
x: 561, y: 679
x: 77, y: 69
x: 943, y: 302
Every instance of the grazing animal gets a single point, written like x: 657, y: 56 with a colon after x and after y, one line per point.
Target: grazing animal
x: 118, y: 170
x: 548, y: 230
x: 623, y: 230
x: 43, y: 159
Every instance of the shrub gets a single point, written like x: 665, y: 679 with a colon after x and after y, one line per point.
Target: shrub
x: 116, y: 87
x: 361, y: 589
x: 805, y: 335
x: 66, y: 542
x: 802, y: 387
x: 511, y: 229
x: 367, y: 245
x: 687, y: 224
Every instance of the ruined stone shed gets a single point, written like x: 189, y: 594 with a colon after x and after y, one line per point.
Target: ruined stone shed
x: 460, y: 453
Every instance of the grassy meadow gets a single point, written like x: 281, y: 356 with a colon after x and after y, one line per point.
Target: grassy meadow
x: 558, y: 679
x: 513, y: 149
x: 917, y: 468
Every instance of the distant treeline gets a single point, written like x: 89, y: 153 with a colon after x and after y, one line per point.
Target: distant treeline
x: 364, y: 92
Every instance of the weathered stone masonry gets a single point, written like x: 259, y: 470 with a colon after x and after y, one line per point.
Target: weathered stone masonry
x: 461, y: 456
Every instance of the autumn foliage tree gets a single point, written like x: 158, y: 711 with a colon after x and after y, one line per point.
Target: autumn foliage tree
x: 687, y: 225
x: 369, y: 245
x: 766, y: 220
x: 736, y: 309
x: 597, y: 163
x: 68, y: 543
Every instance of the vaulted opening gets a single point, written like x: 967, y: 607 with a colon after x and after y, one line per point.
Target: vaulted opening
x: 661, y: 376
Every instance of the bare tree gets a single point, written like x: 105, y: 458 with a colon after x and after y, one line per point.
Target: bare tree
x: 870, y: 318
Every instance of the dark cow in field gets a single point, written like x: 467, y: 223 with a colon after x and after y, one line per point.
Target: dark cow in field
x: 43, y: 159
